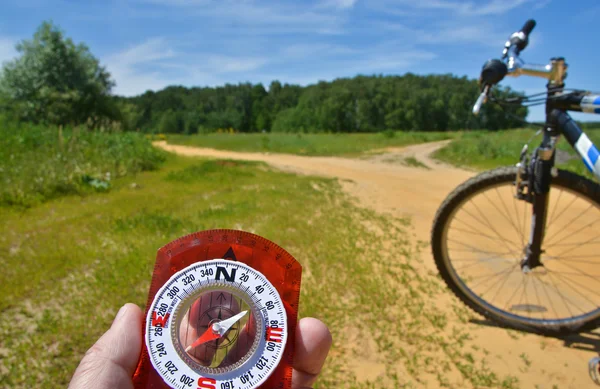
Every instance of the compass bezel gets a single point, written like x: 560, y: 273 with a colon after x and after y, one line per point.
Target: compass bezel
x: 161, y: 326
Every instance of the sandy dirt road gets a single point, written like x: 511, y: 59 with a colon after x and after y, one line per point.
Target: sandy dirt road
x: 385, y: 183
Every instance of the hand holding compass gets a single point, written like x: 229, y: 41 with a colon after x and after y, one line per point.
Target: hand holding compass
x: 253, y: 334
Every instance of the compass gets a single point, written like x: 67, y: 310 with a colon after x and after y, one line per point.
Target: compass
x: 221, y: 306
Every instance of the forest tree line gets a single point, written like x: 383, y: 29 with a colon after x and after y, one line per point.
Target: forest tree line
x: 360, y: 104
x: 55, y: 81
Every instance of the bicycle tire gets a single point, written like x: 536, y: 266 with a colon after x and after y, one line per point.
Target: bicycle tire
x: 579, y: 185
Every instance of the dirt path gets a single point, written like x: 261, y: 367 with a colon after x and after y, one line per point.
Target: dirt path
x: 392, y: 182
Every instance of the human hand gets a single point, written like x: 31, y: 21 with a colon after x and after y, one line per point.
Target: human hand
x: 111, y: 361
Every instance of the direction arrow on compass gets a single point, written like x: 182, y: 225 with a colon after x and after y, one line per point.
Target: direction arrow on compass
x: 230, y: 255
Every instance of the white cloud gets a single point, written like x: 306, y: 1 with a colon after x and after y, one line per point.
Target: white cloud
x: 541, y: 4
x: 304, y: 50
x: 395, y: 61
x: 153, y: 65
x: 227, y: 64
x: 464, y: 34
x: 493, y: 7
x: 449, y: 33
x: 272, y: 19
x: 151, y: 50
x: 125, y: 67
x: 339, y: 4
x: 7, y: 49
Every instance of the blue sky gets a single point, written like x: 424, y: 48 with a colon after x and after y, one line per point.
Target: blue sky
x: 149, y: 44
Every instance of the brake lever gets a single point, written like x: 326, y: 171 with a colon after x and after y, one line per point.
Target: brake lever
x: 481, y: 100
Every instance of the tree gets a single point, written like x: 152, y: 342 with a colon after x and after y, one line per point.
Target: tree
x: 171, y: 122
x: 55, y: 81
x: 359, y: 104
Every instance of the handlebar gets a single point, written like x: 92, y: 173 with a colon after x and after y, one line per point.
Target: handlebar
x: 528, y: 27
x: 495, y: 70
x: 519, y: 40
x: 480, y: 100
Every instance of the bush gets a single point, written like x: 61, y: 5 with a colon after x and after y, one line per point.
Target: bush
x: 40, y: 162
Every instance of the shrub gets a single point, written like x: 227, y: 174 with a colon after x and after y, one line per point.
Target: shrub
x: 41, y: 162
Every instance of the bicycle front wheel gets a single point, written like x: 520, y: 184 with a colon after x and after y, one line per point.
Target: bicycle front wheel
x: 479, y: 238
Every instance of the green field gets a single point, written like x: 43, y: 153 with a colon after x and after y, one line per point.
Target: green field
x: 478, y: 150
x: 70, y: 263
x: 483, y: 150
x: 39, y: 162
x: 309, y: 144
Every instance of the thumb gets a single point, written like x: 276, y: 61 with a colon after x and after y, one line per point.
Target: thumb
x: 111, y: 361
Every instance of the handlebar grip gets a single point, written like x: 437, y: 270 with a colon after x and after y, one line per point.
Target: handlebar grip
x: 528, y: 27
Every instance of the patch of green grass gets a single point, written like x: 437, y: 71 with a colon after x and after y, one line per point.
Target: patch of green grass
x: 526, y: 361
x: 309, y: 144
x: 412, y: 161
x: 406, y: 161
x: 484, y: 150
x: 70, y: 263
x: 38, y: 163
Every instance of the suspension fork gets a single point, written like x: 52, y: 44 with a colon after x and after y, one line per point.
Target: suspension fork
x: 540, y: 177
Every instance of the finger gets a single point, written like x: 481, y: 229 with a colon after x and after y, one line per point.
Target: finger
x: 313, y: 341
x: 111, y: 361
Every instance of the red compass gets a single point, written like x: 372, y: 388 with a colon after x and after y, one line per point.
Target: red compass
x: 221, y: 314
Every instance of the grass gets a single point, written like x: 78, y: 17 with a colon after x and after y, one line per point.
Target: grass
x: 309, y: 144
x: 38, y: 163
x: 410, y: 161
x: 486, y: 150
x: 70, y: 263
x: 478, y: 150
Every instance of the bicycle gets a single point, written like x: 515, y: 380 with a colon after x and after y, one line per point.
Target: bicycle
x: 495, y: 238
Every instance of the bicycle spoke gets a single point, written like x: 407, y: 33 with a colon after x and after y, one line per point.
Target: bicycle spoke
x: 570, y: 259
x: 568, y: 282
x: 550, y: 274
x: 524, y: 218
x: 495, y: 283
x: 549, y: 300
x: 525, y: 292
x: 501, y: 286
x: 485, y: 252
x: 583, y: 256
x: 491, y: 276
x: 592, y: 291
x: 468, y: 225
x: 478, y: 262
x: 490, y: 226
x: 536, y: 294
x: 504, y: 214
x: 564, y: 210
x: 594, y: 278
x: 477, y: 233
x: 474, y: 259
x: 551, y: 217
x: 579, y: 244
x: 474, y: 248
x: 471, y: 229
x: 572, y: 234
x: 514, y: 293
x: 575, y: 274
x: 520, y: 232
x: 568, y: 224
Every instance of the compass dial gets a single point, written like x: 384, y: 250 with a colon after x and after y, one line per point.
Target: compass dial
x: 216, y: 324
